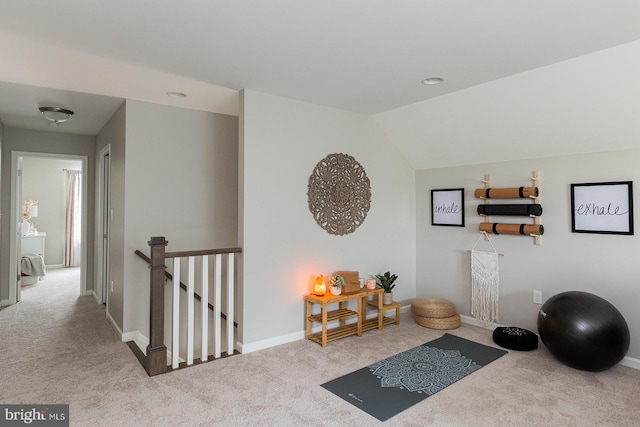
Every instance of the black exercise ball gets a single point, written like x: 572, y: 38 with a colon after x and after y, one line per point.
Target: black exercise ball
x: 583, y: 331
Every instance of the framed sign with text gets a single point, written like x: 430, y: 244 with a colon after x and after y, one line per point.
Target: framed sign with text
x: 447, y: 207
x: 602, y: 208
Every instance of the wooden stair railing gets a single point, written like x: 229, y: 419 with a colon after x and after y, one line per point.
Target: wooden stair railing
x: 155, y: 360
x: 182, y: 285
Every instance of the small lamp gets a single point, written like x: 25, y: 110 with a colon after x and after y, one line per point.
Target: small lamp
x: 320, y: 287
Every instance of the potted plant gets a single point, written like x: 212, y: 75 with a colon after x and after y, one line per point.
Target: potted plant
x: 337, y: 282
x: 386, y: 282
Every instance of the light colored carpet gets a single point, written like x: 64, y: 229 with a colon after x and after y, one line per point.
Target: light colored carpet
x: 57, y: 347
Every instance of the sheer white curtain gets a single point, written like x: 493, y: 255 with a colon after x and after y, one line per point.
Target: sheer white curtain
x: 73, y: 218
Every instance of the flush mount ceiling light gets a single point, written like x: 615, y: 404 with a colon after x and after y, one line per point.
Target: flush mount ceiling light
x: 432, y: 81
x: 176, y: 94
x: 56, y: 115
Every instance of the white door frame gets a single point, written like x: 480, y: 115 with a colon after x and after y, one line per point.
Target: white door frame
x: 17, y: 237
x: 102, y: 258
x: 15, y: 203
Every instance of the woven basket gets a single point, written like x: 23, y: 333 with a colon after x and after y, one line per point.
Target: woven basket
x: 432, y: 307
x: 451, y: 322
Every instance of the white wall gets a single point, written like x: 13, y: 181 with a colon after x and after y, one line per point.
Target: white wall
x: 113, y: 134
x: 2, y: 297
x: 605, y: 265
x: 43, y: 179
x: 181, y: 183
x: 281, y: 142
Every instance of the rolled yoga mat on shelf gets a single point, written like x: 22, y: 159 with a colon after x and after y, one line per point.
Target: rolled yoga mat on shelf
x: 511, y: 210
x: 506, y: 193
x: 524, y: 229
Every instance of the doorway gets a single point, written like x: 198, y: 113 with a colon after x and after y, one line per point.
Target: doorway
x: 41, y: 177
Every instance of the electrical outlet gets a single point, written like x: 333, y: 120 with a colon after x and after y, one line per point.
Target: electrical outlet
x: 537, y: 297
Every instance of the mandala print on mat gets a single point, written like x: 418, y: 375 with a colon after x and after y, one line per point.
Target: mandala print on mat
x: 423, y: 369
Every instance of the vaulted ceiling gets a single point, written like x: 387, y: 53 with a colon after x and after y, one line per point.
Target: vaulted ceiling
x: 365, y: 56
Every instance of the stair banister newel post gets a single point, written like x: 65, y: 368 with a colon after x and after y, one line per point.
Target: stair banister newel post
x: 156, y: 350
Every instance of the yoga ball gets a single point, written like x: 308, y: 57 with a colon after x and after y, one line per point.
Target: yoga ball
x: 583, y: 330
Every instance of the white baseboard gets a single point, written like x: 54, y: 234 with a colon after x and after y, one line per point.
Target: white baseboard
x: 295, y: 336
x: 114, y: 325
x: 270, y: 342
x: 631, y: 362
x: 141, y: 341
x: 129, y: 336
x: 54, y: 266
x: 4, y: 302
x: 475, y: 322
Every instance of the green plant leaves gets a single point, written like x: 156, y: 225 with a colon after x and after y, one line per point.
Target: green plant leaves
x: 386, y: 281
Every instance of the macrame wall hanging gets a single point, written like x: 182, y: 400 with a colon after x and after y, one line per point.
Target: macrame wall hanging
x: 485, y: 283
x: 339, y: 194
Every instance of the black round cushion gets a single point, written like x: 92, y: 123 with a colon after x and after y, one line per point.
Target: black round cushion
x: 515, y: 338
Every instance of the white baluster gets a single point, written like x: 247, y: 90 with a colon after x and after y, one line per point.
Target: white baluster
x: 205, y: 308
x: 230, y: 315
x: 175, y: 332
x: 217, y: 329
x: 190, y: 308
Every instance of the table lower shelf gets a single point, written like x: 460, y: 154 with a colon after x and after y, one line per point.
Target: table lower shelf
x: 333, y: 315
x: 348, y: 330
x: 373, y: 323
x: 335, y: 333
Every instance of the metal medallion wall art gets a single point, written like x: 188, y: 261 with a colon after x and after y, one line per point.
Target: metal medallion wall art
x: 339, y: 194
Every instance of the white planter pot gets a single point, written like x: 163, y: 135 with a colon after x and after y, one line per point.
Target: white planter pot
x: 336, y: 291
x: 387, y: 298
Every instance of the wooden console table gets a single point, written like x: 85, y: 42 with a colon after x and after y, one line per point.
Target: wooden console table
x: 342, y: 314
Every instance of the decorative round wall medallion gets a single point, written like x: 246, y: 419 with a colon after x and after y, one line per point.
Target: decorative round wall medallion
x: 339, y: 194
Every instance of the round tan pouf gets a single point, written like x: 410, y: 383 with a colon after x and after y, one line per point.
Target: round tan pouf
x: 433, y: 308
x: 451, y: 322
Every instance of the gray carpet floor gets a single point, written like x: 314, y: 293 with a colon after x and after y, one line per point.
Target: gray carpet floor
x: 57, y: 347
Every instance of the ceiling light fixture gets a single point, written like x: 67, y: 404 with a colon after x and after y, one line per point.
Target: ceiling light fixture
x: 56, y: 115
x: 176, y: 94
x: 432, y: 81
